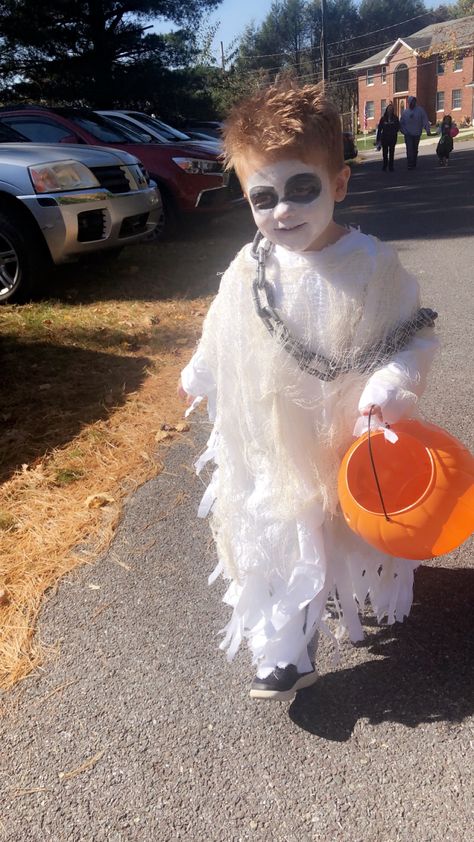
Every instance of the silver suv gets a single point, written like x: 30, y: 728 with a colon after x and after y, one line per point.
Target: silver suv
x: 58, y: 203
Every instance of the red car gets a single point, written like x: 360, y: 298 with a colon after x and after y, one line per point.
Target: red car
x: 191, y: 178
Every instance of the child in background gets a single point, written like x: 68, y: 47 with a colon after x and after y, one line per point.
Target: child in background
x: 296, y: 347
x: 445, y: 144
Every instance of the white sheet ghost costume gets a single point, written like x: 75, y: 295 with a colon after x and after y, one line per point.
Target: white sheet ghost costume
x: 279, y: 434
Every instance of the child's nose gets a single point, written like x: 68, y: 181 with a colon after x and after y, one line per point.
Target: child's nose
x: 282, y: 210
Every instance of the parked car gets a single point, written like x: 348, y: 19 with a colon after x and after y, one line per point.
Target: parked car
x: 210, y: 127
x: 350, y: 147
x: 190, y: 177
x: 159, y: 131
x: 61, y: 203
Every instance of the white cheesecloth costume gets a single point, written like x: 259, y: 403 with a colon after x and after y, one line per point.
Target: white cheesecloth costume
x: 279, y: 435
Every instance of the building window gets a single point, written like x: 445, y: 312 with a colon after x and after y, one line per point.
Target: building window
x: 457, y: 65
x: 370, y: 109
x: 383, y: 105
x: 384, y: 74
x: 401, y: 78
x: 440, y: 101
x: 456, y: 98
x: 440, y: 66
x: 370, y: 76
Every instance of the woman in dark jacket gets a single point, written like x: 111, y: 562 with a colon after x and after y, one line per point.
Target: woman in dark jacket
x: 387, y: 132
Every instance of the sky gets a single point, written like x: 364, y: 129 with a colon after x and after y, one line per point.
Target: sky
x: 235, y: 15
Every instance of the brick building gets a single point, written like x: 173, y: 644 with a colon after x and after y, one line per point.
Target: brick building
x: 435, y: 64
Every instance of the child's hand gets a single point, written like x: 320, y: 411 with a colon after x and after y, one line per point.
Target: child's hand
x: 376, y: 411
x: 182, y: 395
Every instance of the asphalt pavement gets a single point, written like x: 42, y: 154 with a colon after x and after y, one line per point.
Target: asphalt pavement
x: 137, y: 730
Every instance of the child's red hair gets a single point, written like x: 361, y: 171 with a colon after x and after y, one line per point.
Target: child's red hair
x: 285, y: 121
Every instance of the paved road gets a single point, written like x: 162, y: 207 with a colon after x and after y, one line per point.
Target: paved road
x: 139, y: 731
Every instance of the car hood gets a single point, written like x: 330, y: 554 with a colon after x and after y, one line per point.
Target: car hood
x: 212, y: 146
x: 30, y: 154
x: 179, y: 150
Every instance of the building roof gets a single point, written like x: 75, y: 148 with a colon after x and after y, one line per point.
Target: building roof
x: 456, y: 33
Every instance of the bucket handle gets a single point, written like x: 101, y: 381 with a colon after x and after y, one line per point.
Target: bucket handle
x: 372, y: 462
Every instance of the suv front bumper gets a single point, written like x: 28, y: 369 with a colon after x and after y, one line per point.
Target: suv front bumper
x: 85, y: 221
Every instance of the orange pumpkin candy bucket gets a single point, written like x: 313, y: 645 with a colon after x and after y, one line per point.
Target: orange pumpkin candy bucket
x: 413, y: 498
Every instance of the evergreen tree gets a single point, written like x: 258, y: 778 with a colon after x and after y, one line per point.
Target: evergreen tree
x: 86, y: 51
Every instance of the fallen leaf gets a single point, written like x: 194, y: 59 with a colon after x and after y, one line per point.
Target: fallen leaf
x: 162, y: 435
x: 4, y: 598
x: 182, y: 427
x: 95, y: 501
x: 94, y: 587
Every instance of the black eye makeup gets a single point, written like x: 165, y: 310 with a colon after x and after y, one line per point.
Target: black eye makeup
x: 302, y: 189
x: 263, y: 198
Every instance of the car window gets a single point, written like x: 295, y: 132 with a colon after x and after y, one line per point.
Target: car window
x: 167, y: 132
x: 104, y: 129
x: 144, y: 136
x: 39, y: 129
x: 9, y: 135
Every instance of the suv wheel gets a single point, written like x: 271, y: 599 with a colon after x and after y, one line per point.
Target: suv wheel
x: 21, y: 260
x: 167, y: 221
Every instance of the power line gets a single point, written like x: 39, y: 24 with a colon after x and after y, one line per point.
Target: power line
x: 349, y: 38
x: 340, y: 82
x: 295, y: 64
x: 317, y: 61
x: 374, y: 31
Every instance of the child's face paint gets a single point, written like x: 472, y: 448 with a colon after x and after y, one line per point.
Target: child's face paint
x: 292, y: 202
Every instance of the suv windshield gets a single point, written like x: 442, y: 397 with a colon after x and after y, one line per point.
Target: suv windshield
x: 9, y: 135
x: 166, y: 131
x: 102, y: 128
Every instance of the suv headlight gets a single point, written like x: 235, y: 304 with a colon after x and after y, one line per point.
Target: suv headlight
x: 63, y: 175
x: 196, y: 166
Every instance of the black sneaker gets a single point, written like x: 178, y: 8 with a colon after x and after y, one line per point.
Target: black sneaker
x: 282, y: 683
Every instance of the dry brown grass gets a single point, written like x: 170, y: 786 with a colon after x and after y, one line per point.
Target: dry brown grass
x: 89, y: 380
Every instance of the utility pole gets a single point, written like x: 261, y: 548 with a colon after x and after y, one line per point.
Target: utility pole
x: 324, y: 46
x: 222, y: 56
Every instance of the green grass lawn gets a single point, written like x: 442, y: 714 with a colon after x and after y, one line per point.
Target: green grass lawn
x: 367, y: 142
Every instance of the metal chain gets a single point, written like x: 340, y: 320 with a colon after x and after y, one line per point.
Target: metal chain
x: 312, y: 362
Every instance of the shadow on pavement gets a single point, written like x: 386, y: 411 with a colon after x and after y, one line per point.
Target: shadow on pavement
x: 424, y: 671
x: 429, y: 202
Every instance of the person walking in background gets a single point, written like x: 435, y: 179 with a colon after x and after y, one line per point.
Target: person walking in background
x: 445, y: 145
x: 387, y: 132
x: 412, y: 122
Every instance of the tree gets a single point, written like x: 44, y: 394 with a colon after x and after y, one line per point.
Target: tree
x: 387, y: 20
x: 280, y: 41
x: 85, y: 51
x: 462, y: 9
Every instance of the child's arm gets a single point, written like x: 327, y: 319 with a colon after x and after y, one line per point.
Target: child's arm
x: 197, y: 378
x: 396, y: 387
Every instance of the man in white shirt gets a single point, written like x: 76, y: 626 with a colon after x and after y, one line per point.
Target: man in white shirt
x: 412, y: 122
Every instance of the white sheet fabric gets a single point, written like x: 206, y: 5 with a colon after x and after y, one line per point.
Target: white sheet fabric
x: 279, y: 435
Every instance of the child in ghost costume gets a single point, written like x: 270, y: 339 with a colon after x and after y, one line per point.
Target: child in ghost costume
x: 313, y: 325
